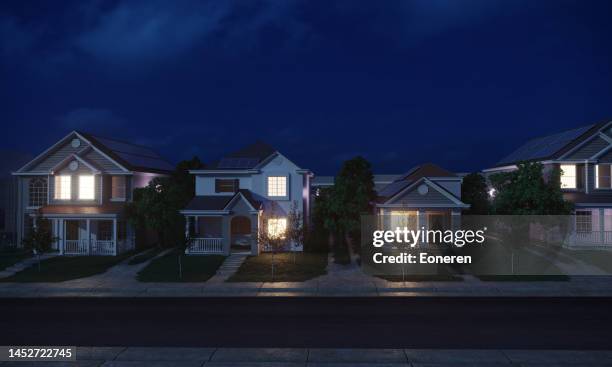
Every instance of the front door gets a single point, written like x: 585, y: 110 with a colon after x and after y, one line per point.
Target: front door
x: 240, y: 229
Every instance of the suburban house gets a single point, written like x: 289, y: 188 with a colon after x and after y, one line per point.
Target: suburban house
x: 250, y: 190
x: 584, y: 156
x: 320, y: 182
x: 426, y: 196
x: 79, y: 187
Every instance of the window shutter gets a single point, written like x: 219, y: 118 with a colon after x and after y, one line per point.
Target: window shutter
x: 236, y: 185
x: 580, y: 176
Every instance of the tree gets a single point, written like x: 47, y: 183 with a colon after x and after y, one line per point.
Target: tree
x: 526, y: 191
x: 273, y: 235
x: 474, y: 192
x: 351, y: 196
x: 40, y: 238
x: 295, y: 227
x: 156, y: 207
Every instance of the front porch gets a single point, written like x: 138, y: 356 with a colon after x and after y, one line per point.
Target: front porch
x: 91, y: 236
x: 222, y: 234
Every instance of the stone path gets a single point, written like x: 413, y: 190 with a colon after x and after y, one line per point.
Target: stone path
x: 11, y: 270
x: 229, y: 266
x: 293, y: 357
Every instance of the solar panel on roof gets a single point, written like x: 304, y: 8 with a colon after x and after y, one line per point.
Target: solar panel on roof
x: 544, y: 147
x: 238, y: 162
x: 118, y: 146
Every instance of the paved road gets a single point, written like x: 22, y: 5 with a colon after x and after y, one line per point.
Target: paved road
x: 542, y: 323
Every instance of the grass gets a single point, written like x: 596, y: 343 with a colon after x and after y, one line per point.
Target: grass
x: 62, y: 268
x: 145, y: 256
x: 11, y: 257
x: 195, y: 268
x: 258, y: 268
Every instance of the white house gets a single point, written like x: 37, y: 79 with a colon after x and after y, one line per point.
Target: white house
x: 247, y: 191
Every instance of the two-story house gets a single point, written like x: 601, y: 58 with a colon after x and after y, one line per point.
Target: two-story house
x: 427, y: 196
x: 584, y: 156
x: 250, y: 190
x: 79, y: 187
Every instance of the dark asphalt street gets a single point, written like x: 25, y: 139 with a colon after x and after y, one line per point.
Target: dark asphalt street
x: 555, y: 323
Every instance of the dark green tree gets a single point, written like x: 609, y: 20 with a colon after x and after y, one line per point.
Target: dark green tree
x: 526, y: 191
x: 351, y: 196
x: 474, y: 192
x: 40, y: 238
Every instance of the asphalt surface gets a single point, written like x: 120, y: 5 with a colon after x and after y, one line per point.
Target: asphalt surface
x: 536, y: 323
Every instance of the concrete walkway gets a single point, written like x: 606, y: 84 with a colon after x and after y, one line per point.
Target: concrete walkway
x: 15, y: 268
x: 229, y: 267
x: 293, y: 357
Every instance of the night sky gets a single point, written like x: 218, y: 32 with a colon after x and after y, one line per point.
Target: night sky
x: 457, y: 83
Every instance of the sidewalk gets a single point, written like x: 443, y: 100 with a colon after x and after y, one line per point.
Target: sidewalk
x: 260, y: 357
x: 320, y: 287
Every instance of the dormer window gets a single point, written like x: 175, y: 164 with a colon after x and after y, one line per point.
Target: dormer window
x: 87, y: 187
x: 63, y: 187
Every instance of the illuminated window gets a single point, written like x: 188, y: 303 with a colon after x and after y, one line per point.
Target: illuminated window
x: 403, y: 218
x: 86, y: 188
x: 38, y: 192
x: 277, y: 186
x: 568, y: 176
x: 62, y: 187
x: 277, y: 227
x: 118, y: 187
x: 602, y: 176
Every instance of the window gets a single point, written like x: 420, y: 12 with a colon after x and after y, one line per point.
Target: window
x: 62, y: 187
x: 86, y: 188
x: 118, y: 187
x: 277, y: 227
x: 584, y: 221
x: 568, y: 176
x: 277, y: 186
x: 602, y: 176
x: 403, y: 219
x: 227, y: 185
x: 38, y: 192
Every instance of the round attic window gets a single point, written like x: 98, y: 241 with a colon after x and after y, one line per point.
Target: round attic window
x: 74, y: 165
x: 75, y: 143
x: 423, y: 189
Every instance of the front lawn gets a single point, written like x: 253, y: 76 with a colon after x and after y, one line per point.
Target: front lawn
x: 62, y: 268
x: 195, y: 268
x: 288, y: 267
x: 11, y: 257
x: 146, y: 255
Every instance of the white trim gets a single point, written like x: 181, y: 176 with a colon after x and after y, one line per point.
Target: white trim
x: 203, y: 213
x: 500, y: 168
x: 45, y: 152
x: 601, y: 152
x: 235, y: 198
x: 221, y: 171
x: 94, y: 170
x: 585, y: 141
x: 80, y: 215
x: 605, y: 137
x: 433, y: 185
x: 422, y: 206
x: 268, y: 159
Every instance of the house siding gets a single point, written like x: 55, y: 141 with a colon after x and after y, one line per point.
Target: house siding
x: 589, y: 149
x: 433, y: 196
x: 57, y: 156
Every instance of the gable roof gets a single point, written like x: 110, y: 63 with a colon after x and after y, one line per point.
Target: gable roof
x: 551, y: 146
x: 248, y: 157
x: 414, y: 174
x: 221, y: 202
x: 127, y: 156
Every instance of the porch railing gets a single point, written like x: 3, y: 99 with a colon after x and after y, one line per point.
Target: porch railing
x: 593, y: 238
x: 206, y: 246
x: 87, y: 247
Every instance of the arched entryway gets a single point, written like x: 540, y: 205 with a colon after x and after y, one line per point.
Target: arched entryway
x: 240, y: 229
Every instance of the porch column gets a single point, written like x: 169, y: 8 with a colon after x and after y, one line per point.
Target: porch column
x: 455, y: 219
x: 88, y: 231
x: 115, y: 236
x: 254, y: 234
x: 60, y: 236
x: 225, y: 231
x: 186, y: 227
x: 602, y: 224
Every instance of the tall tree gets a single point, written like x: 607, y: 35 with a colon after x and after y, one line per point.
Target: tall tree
x: 352, y: 196
x: 474, y: 192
